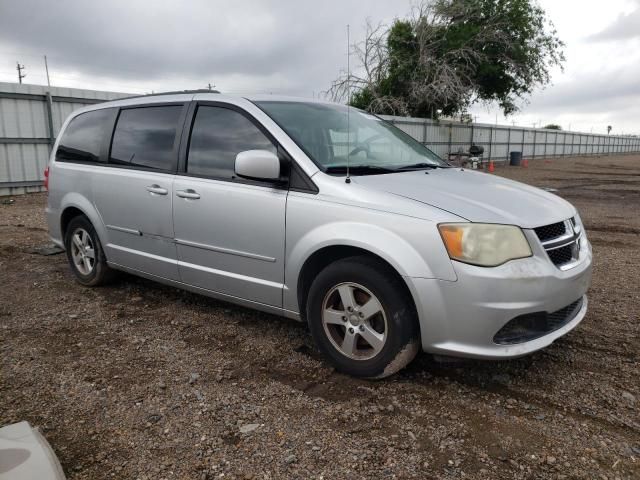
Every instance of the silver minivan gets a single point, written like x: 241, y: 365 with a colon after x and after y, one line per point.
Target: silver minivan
x: 323, y: 214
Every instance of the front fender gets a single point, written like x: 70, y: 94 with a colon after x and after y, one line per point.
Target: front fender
x: 386, y: 243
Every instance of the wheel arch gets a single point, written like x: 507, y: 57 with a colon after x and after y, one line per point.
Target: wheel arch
x: 75, y: 204
x: 326, y: 255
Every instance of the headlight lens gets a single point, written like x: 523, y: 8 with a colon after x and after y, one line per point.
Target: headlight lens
x: 484, y: 244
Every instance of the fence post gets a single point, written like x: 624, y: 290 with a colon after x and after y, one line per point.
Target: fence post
x: 490, y: 140
x: 450, y: 132
x: 580, y: 144
x: 535, y: 135
x: 508, y: 143
x: 471, y: 140
x: 49, y: 108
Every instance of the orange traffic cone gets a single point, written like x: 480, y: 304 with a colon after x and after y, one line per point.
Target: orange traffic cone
x: 525, y: 163
x: 491, y: 166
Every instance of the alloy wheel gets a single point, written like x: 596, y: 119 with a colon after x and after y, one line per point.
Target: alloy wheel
x: 82, y: 251
x: 354, y: 321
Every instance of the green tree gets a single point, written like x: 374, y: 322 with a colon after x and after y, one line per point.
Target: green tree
x: 451, y: 54
x: 553, y: 126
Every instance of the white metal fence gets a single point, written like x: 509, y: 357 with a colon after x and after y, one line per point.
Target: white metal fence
x: 498, y: 141
x: 31, y: 116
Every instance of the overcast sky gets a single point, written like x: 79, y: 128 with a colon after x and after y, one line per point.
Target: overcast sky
x: 297, y: 47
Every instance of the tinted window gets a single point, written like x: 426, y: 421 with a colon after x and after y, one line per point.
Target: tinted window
x: 83, y: 137
x: 145, y: 137
x: 218, y: 135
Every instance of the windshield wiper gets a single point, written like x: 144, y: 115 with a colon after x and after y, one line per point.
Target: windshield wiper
x: 418, y: 166
x: 356, y: 169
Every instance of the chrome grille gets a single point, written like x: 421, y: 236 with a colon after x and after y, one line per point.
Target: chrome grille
x: 561, y: 241
x: 562, y: 255
x: 549, y: 232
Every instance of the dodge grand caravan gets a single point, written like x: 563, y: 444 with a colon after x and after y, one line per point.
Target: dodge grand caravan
x: 322, y: 214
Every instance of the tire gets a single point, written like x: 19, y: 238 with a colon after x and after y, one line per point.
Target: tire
x: 382, y: 343
x: 85, y: 254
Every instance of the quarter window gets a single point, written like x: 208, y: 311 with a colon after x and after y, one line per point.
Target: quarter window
x: 146, y: 136
x: 83, y: 137
x: 218, y: 135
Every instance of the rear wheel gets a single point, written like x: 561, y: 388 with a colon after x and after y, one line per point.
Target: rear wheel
x: 85, y: 254
x: 362, y: 318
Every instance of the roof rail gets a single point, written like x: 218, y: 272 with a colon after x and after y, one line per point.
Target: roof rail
x: 177, y: 92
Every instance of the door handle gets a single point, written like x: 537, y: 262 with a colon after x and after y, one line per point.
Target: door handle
x: 157, y: 189
x: 188, y: 193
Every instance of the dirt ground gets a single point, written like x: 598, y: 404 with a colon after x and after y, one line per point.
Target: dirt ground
x: 141, y: 381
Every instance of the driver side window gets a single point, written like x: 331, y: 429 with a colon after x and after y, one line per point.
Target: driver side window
x: 217, y: 136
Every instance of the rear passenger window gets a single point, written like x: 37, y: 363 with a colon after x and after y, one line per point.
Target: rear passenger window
x: 218, y: 135
x: 82, y: 140
x: 145, y: 137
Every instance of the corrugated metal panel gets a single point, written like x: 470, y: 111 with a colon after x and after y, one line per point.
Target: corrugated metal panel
x: 500, y: 135
x: 24, y: 133
x: 481, y: 135
x: 24, y: 128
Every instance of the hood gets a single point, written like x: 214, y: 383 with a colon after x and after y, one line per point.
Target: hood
x: 475, y: 196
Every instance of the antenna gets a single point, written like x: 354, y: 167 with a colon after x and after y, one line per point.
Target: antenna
x: 348, y: 179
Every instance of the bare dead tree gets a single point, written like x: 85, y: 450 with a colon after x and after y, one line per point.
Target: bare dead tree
x: 372, y: 59
x: 439, y: 75
x: 441, y: 79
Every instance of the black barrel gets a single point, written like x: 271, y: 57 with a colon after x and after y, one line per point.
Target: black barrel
x: 476, y: 150
x: 515, y: 158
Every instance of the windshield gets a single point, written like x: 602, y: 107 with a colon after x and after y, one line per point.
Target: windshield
x: 371, y: 144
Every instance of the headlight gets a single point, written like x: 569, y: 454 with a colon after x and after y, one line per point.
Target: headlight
x: 484, y: 244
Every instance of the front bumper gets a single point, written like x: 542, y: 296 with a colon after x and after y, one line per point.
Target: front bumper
x: 461, y: 318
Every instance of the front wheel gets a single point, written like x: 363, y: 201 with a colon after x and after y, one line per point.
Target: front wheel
x: 362, y: 318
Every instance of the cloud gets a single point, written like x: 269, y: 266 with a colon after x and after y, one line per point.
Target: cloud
x: 616, y: 89
x: 294, y: 47
x: 286, y: 45
x: 626, y: 26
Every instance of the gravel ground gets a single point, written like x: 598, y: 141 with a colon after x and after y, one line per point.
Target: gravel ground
x: 141, y: 381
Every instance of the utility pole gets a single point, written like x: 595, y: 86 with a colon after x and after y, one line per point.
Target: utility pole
x: 46, y: 67
x: 20, y: 74
x: 211, y: 87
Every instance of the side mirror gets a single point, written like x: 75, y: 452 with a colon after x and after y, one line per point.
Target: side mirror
x: 258, y: 165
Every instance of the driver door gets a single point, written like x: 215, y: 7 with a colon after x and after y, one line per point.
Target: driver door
x: 229, y: 232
